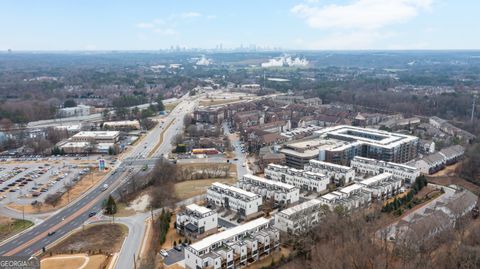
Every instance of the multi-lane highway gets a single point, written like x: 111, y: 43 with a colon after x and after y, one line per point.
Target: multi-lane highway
x: 74, y: 215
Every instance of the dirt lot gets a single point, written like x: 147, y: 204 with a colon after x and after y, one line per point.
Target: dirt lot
x: 211, y: 102
x: 448, y: 171
x: 74, y: 261
x: 447, y: 180
x: 80, y: 188
x: 191, y: 188
x: 10, y: 227
x: 105, y: 237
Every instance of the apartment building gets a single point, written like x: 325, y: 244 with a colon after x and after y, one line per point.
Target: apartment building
x: 300, y: 178
x: 196, y: 222
x: 245, y: 203
x: 368, y: 166
x: 300, y: 218
x: 234, y: 248
x: 342, y: 175
x: 350, y: 197
x: 382, y: 186
x: 281, y: 193
x: 371, y: 143
x: 299, y: 153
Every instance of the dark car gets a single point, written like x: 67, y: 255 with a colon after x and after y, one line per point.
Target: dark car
x: 178, y: 248
x: 91, y: 214
x: 51, y: 233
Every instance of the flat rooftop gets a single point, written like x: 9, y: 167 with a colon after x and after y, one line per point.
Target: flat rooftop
x: 208, y: 241
x: 300, y: 207
x: 371, y: 136
x: 200, y: 209
x: 235, y: 190
x: 97, y: 134
x: 376, y: 179
x: 269, y: 182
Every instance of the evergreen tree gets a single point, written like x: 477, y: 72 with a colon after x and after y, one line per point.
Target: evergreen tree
x: 111, y: 206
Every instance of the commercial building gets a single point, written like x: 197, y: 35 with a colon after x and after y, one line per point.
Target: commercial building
x: 371, y: 143
x: 245, y: 203
x: 341, y: 175
x: 281, y: 193
x: 91, y: 142
x: 122, y: 125
x: 96, y: 136
x: 197, y: 222
x: 304, y: 180
x: 300, y: 218
x: 234, y: 248
x: 80, y: 110
x: 369, y: 167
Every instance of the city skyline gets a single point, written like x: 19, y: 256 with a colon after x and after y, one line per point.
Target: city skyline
x: 288, y: 25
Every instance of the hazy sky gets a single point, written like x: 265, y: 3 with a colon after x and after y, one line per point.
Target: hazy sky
x: 289, y: 24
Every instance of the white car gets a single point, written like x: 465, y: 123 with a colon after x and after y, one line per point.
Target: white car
x: 164, y: 253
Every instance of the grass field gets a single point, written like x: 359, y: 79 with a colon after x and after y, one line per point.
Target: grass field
x: 74, y: 261
x: 267, y: 261
x: 107, y: 237
x: 191, y: 188
x: 10, y: 227
x: 171, y: 106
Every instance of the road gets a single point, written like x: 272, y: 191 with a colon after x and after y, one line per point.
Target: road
x: 74, y: 215
x: 242, y: 166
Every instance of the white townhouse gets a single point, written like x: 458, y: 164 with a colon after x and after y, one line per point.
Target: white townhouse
x: 197, y: 221
x: 350, y: 197
x: 342, y: 175
x: 237, y: 247
x: 305, y: 180
x: 382, y: 186
x: 245, y: 203
x: 280, y: 192
x: 368, y: 166
x: 299, y: 218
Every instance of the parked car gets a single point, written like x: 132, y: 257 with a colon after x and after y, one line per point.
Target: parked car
x: 91, y: 214
x: 178, y: 248
x: 164, y: 253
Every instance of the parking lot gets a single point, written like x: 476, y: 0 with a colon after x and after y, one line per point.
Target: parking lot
x: 174, y: 256
x: 23, y: 182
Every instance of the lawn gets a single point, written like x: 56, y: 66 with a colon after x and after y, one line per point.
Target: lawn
x: 171, y: 106
x: 106, y: 237
x: 191, y: 188
x: 10, y: 227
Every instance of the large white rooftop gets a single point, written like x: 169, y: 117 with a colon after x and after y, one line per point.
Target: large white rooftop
x: 371, y: 136
x: 351, y: 188
x: 97, y: 134
x: 208, y: 241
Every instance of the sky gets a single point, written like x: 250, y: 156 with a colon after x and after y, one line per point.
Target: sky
x: 287, y: 24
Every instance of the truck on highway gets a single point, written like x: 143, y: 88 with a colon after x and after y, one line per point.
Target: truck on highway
x: 104, y: 187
